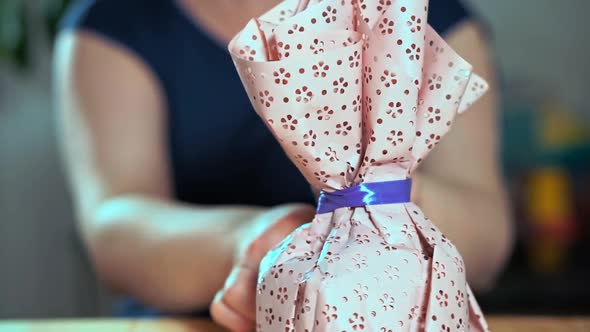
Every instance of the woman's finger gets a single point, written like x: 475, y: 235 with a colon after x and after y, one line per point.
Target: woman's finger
x: 240, y: 291
x: 225, y: 316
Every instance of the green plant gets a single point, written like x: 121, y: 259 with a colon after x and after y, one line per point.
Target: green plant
x: 15, y: 21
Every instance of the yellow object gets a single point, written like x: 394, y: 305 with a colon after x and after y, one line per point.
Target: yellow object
x: 549, y: 195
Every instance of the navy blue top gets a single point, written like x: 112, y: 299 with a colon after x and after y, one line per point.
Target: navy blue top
x: 219, y: 150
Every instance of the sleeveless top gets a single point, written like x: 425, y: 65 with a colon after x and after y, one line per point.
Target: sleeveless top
x: 220, y: 152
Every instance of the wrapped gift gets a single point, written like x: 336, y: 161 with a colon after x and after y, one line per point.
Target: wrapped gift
x: 357, y: 93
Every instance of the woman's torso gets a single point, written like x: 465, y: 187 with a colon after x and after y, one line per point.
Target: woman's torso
x: 219, y: 151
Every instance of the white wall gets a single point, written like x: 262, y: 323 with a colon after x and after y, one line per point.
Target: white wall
x: 42, y: 272
x: 42, y: 269
x: 544, y: 43
x: 36, y: 234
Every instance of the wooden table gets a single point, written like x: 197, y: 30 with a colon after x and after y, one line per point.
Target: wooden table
x: 497, y: 324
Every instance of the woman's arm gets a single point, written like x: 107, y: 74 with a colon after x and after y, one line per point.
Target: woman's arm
x: 112, y: 126
x: 460, y: 185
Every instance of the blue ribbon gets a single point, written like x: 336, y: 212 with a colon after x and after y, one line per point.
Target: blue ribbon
x: 373, y: 193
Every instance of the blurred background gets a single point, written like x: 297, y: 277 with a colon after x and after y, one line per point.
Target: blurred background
x: 543, y: 56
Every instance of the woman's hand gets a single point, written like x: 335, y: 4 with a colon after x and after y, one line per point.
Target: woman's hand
x: 234, y: 307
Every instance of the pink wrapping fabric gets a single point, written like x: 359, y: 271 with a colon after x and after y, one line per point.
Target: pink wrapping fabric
x: 356, y: 92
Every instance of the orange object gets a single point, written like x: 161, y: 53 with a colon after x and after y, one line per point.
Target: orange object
x: 551, y: 218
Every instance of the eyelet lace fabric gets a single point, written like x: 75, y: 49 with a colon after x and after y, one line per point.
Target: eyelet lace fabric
x: 358, y: 92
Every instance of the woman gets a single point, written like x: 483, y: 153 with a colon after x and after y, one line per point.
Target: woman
x: 176, y: 180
